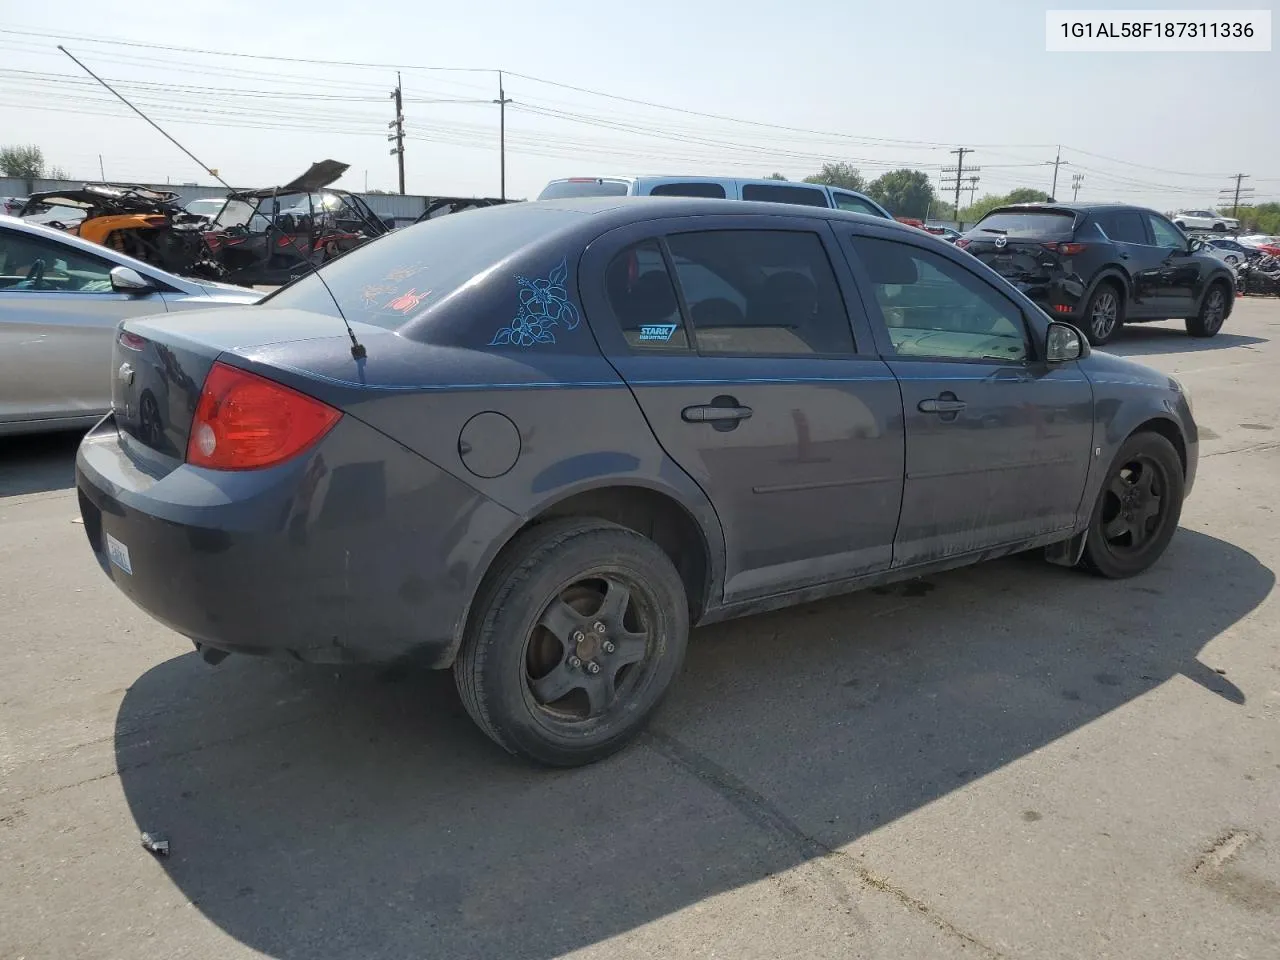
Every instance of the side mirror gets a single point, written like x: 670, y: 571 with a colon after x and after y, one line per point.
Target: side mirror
x: 1064, y: 342
x: 129, y: 280
x: 1195, y: 245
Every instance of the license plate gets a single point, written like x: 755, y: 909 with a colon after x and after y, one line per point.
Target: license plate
x: 119, y: 554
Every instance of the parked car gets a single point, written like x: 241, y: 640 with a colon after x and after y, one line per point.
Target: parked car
x: 10, y: 206
x: 1230, y: 252
x: 61, y: 299
x: 721, y: 188
x: 1205, y: 220
x: 949, y: 234
x: 206, y: 207
x: 1104, y: 265
x: 554, y: 435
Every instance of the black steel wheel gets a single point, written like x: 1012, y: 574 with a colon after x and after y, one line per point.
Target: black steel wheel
x: 1213, y: 311
x: 1138, y: 508
x: 576, y: 637
x: 1103, y: 314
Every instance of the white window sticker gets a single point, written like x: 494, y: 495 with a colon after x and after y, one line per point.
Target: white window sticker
x: 119, y: 554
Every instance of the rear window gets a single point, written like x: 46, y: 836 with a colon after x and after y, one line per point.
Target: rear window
x: 713, y: 191
x: 569, y: 189
x: 781, y: 193
x: 401, y: 275
x: 1032, y: 225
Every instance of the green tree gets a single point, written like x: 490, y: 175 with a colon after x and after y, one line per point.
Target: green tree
x: 976, y: 211
x: 839, y: 174
x: 26, y: 163
x: 775, y: 176
x: 1263, y: 218
x: 904, y: 193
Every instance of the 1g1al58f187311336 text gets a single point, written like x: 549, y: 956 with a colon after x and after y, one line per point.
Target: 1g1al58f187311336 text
x: 1171, y: 31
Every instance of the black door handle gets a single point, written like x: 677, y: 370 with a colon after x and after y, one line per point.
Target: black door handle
x: 941, y: 406
x: 710, y: 413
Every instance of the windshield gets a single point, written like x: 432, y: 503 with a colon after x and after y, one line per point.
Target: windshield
x: 1031, y: 224
x: 400, y: 276
x: 567, y: 189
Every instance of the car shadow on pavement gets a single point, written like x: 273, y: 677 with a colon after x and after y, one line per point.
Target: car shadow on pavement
x: 1149, y: 339
x: 38, y: 463
x: 323, y: 814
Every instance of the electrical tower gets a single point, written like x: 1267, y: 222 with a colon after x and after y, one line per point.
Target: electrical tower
x: 1057, y: 162
x: 397, y: 125
x: 954, y: 177
x: 502, y: 102
x: 1076, y: 180
x: 1234, y: 194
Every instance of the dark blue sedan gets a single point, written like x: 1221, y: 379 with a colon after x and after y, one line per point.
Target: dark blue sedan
x: 536, y: 442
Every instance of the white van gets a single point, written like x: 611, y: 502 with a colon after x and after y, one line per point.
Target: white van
x: 725, y: 188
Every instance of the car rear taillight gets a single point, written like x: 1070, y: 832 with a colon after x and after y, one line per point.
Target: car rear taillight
x: 1062, y: 308
x: 131, y: 340
x: 247, y: 422
x: 1066, y: 249
x: 962, y: 242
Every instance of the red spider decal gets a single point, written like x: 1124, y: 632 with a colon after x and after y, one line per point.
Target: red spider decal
x: 407, y: 301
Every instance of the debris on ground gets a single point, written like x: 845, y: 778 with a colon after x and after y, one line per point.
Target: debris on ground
x: 157, y: 843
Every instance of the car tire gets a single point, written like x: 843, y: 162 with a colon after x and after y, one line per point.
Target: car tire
x: 1137, y: 510
x: 558, y: 667
x: 1219, y: 228
x: 1231, y: 259
x: 1101, y: 322
x: 1213, y: 311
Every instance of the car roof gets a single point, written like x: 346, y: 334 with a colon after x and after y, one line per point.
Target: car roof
x: 120, y: 259
x: 622, y: 210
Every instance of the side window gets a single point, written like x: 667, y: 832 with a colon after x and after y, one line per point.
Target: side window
x: 714, y: 191
x: 643, y: 299
x: 37, y: 263
x: 935, y: 308
x: 1123, y: 226
x: 847, y: 201
x: 1166, y: 234
x: 785, y: 193
x: 761, y: 292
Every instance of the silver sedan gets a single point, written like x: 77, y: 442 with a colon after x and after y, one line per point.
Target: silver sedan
x: 60, y: 301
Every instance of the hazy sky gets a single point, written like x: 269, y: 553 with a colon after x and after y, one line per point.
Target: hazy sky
x: 877, y: 84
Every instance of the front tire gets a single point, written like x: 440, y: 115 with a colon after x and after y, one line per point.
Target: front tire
x: 1104, y: 313
x: 575, y: 639
x: 1213, y: 311
x: 1137, y: 510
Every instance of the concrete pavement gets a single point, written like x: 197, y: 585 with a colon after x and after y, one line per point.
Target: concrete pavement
x: 1012, y: 760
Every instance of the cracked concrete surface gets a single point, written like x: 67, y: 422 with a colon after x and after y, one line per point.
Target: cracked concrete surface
x: 1011, y: 760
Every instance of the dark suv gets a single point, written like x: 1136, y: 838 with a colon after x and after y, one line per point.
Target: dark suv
x: 1102, y: 265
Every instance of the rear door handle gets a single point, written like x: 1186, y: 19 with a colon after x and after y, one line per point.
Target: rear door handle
x: 940, y: 406
x: 710, y: 413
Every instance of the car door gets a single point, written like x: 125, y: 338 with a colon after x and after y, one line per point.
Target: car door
x: 737, y: 344
x: 1179, y: 284
x: 58, y: 314
x: 1127, y: 230
x: 997, y: 441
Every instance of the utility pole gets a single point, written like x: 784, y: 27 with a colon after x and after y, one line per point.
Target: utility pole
x: 398, y: 126
x: 1235, y: 195
x: 102, y: 171
x: 502, y: 102
x: 972, y: 188
x: 954, y: 176
x: 1076, y: 180
x: 1057, y: 162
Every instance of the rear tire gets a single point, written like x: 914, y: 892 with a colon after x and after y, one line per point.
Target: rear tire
x: 576, y: 637
x: 1213, y: 311
x: 1219, y: 228
x: 1137, y: 510
x: 1104, y: 313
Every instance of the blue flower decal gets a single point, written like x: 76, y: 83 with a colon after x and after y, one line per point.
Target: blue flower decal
x: 544, y: 303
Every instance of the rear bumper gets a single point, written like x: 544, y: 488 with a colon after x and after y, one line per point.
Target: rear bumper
x: 357, y: 551
x: 1060, y: 297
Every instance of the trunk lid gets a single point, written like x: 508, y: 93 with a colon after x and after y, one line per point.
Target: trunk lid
x: 159, y: 364
x: 1025, y: 261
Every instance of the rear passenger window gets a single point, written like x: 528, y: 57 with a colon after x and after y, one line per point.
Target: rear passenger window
x: 1123, y: 226
x: 785, y: 193
x: 762, y: 292
x: 847, y: 201
x: 712, y: 191
x: 643, y: 299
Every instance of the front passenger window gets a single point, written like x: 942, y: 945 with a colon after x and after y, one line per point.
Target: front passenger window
x: 36, y: 263
x: 935, y: 308
x: 1166, y: 234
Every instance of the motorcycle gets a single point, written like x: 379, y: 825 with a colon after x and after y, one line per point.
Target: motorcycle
x: 1260, y: 277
